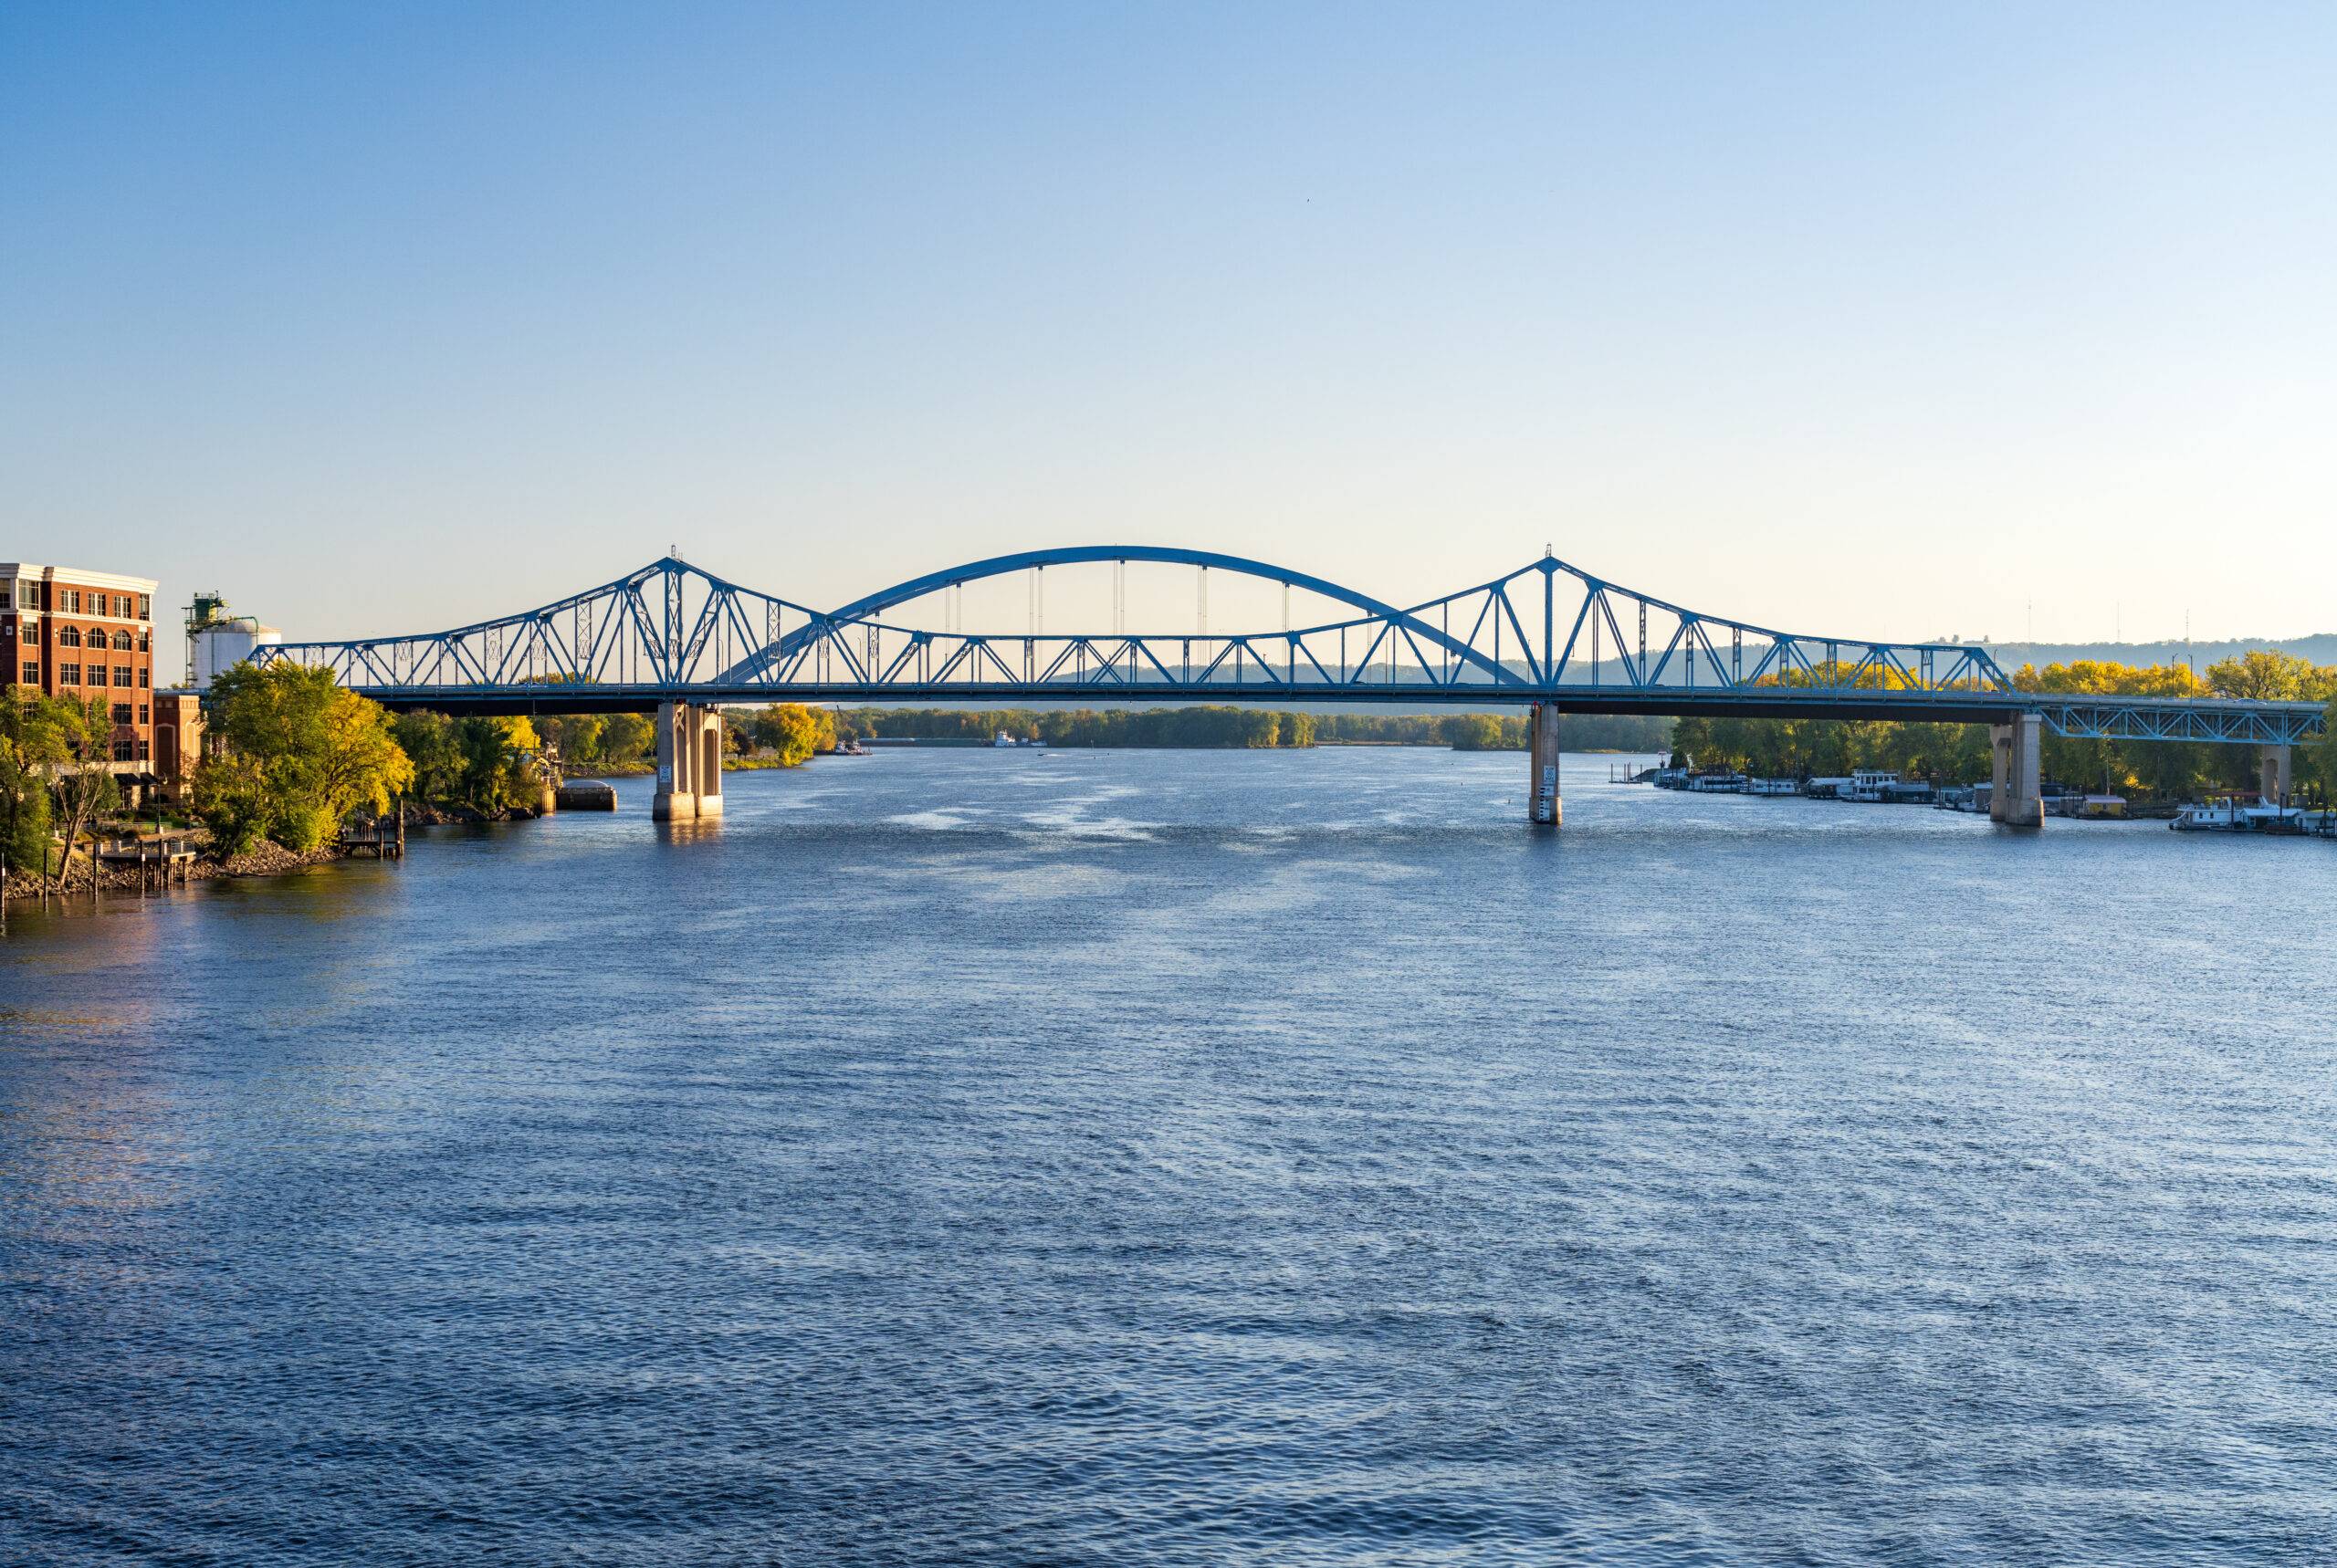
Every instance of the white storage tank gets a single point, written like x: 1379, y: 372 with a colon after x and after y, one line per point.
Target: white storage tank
x: 217, y: 641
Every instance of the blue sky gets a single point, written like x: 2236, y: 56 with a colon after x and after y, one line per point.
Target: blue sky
x: 1883, y: 320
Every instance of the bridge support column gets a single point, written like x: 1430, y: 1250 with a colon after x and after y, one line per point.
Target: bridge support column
x: 2017, y: 798
x: 709, y: 734
x: 1543, y: 806
x: 689, y: 763
x: 2272, y: 767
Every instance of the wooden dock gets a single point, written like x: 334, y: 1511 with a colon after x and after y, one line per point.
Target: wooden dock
x: 383, y: 837
x: 170, y: 859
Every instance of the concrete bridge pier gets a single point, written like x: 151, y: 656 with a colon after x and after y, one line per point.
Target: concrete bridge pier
x: 689, y: 763
x: 2017, y: 798
x: 1543, y: 808
x: 2272, y: 768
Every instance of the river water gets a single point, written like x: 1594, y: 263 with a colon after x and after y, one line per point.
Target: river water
x: 1155, y: 1157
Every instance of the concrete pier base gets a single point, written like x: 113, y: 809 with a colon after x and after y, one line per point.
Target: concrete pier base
x: 2272, y: 763
x: 1543, y: 806
x: 2017, y: 798
x: 689, y: 763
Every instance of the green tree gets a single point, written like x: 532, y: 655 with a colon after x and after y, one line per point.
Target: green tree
x: 2266, y: 675
x: 304, y: 753
x: 626, y: 738
x: 792, y: 732
x: 1473, y: 732
x: 498, y: 764
x: 85, y: 783
x: 576, y: 737
x: 2325, y: 756
x: 428, y: 740
x: 32, y: 750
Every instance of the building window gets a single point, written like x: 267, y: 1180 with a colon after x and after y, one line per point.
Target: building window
x: 68, y: 636
x: 121, y: 713
x: 143, y: 640
x: 145, y: 677
x: 122, y: 674
x: 32, y: 674
x: 32, y: 634
x: 72, y: 605
x: 124, y: 751
x: 143, y: 753
x: 145, y: 607
x: 67, y: 674
x: 142, y: 719
x: 122, y: 644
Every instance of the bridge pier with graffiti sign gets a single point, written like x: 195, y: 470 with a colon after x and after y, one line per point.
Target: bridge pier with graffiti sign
x: 689, y: 762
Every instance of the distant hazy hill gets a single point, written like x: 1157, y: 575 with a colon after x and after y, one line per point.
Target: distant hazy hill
x: 2321, y: 648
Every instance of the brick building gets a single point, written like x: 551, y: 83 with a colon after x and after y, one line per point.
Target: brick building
x: 90, y: 634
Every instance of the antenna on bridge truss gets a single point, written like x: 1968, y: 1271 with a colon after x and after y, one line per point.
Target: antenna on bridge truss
x: 1200, y: 600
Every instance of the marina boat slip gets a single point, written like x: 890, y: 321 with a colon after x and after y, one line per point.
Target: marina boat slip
x: 2089, y: 808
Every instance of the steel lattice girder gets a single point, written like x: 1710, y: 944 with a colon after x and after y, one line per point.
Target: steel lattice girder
x: 671, y: 630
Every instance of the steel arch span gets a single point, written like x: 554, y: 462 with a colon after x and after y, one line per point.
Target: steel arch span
x: 1545, y: 632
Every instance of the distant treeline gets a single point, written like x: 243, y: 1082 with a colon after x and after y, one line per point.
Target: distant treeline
x: 1498, y: 731
x: 1244, y: 727
x: 1961, y: 753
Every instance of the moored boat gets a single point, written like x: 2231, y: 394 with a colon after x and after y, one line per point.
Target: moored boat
x: 1868, y: 786
x: 2238, y: 813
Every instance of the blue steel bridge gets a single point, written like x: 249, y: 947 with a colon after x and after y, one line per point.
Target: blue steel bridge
x: 1547, y: 636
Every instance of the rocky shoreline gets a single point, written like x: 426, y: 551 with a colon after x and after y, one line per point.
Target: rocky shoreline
x: 264, y: 858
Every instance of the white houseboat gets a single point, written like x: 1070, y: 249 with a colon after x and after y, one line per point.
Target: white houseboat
x: 2239, y: 814
x: 1869, y: 786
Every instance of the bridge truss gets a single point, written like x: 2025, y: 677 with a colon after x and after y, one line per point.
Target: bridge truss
x: 1546, y: 633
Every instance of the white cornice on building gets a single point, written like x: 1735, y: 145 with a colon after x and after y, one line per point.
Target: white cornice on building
x: 73, y: 577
